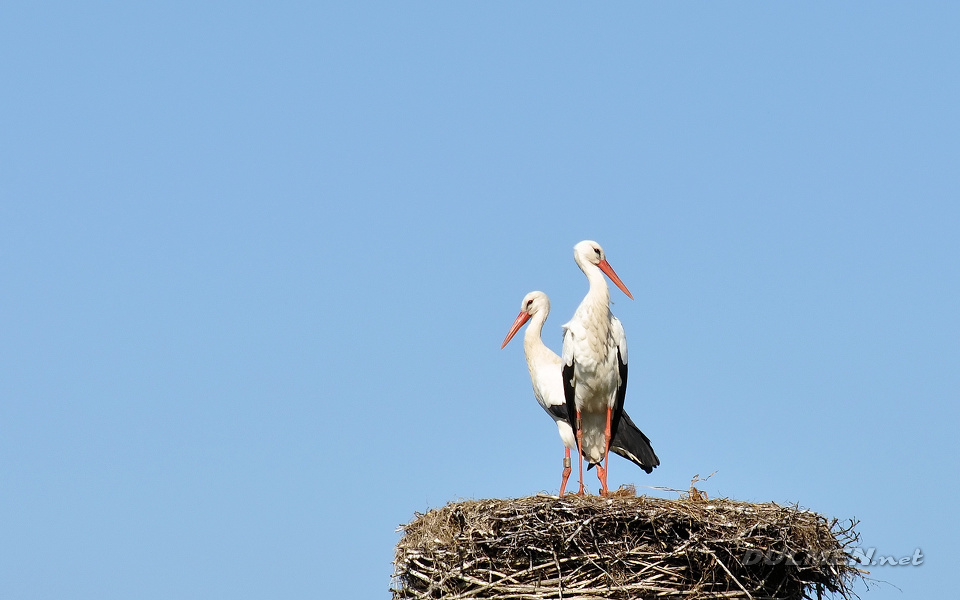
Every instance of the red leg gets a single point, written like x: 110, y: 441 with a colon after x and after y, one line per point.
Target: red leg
x: 566, y: 470
x: 580, y: 454
x: 602, y: 472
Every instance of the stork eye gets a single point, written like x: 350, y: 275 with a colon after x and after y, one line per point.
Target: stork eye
x: 529, y: 303
x: 597, y: 250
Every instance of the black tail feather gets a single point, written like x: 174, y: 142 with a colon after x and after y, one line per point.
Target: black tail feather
x: 630, y: 443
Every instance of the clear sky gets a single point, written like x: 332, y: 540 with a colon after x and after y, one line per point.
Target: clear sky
x: 257, y: 262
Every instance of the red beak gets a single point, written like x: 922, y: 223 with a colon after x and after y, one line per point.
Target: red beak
x: 521, y: 319
x: 609, y: 272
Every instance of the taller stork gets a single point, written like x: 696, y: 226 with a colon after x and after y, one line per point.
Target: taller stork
x: 595, y: 363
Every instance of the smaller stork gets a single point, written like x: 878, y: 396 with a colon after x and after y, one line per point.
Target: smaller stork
x: 545, y: 374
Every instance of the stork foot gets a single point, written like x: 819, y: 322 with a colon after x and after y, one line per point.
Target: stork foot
x: 602, y: 476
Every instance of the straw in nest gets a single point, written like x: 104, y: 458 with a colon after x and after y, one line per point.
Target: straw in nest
x: 544, y: 547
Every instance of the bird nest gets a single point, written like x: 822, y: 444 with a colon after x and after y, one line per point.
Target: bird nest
x: 623, y: 547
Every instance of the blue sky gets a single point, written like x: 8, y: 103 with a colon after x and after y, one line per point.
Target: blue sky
x: 257, y: 263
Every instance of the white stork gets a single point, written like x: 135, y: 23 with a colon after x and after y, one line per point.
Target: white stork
x: 545, y: 374
x: 595, y: 363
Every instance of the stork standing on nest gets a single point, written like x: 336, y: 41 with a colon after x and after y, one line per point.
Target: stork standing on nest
x: 595, y: 363
x: 545, y: 374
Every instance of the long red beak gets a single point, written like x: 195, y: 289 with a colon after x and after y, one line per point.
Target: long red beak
x: 521, y: 319
x: 609, y: 272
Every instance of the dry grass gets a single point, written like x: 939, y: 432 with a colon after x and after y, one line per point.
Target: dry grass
x: 623, y: 547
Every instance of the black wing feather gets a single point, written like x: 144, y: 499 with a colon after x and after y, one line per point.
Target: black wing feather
x: 621, y: 396
x: 570, y: 394
x: 558, y: 411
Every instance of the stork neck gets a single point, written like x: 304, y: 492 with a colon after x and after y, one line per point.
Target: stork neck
x: 599, y: 291
x: 532, y: 339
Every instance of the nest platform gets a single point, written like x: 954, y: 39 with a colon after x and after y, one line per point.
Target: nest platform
x: 626, y: 546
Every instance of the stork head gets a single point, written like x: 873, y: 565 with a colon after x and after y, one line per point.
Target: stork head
x: 533, y: 303
x: 589, y: 252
